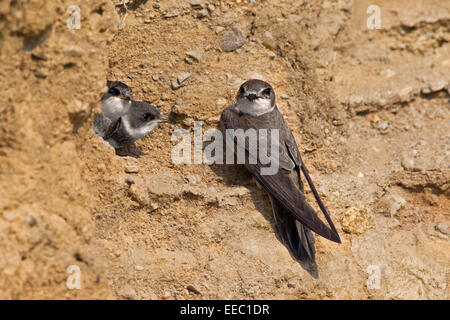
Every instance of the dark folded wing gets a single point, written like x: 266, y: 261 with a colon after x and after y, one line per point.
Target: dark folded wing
x: 280, y: 184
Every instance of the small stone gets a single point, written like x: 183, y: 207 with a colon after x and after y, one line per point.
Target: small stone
x: 355, y: 101
x: 195, y: 54
x: 178, y: 102
x: 139, y: 268
x: 192, y: 289
x: 388, y: 73
x: 175, y: 85
x: 405, y: 93
x: 221, y: 101
x: 407, y: 22
x: 382, y: 126
x: 128, y: 293
x: 202, y: 13
x: 408, y: 163
x: 443, y: 227
x: 211, y: 7
x: 131, y: 169
x: 284, y: 96
x: 390, y: 204
x: 232, y: 40
x: 292, y: 284
x: 171, y: 14
x: 268, y: 41
x: 77, y: 109
x: 197, y: 4
x: 31, y: 220
x: 41, y: 73
x: 166, y: 295
x: 153, y: 207
x: 271, y: 54
x: 426, y: 90
x: 438, y: 85
x: 182, y: 77
x: 155, y: 77
x: 188, y: 122
x: 356, y: 220
x: 73, y: 51
x: 219, y: 29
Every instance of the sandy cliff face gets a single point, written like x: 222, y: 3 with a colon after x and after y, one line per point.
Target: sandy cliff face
x: 369, y: 110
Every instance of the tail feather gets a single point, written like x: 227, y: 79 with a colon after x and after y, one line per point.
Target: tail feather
x: 297, y: 237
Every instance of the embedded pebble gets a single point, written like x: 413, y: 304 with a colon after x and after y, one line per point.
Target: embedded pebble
x: 356, y: 220
x: 128, y: 293
x: 175, y: 85
x: 390, y: 204
x: 31, y: 220
x: 292, y: 284
x: 195, y: 54
x: 171, y: 14
x: 73, y: 51
x: 131, y: 169
x: 232, y: 39
x: 182, y: 77
x: 443, y: 227
x: 193, y: 289
x: 382, y: 126
x: 197, y: 4
x: 202, y: 13
x: 268, y: 41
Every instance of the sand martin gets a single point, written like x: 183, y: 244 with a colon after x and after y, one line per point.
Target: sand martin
x: 255, y: 108
x: 122, y: 120
x: 141, y: 119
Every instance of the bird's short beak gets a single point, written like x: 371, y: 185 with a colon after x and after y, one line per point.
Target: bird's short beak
x: 252, y: 96
x: 124, y: 98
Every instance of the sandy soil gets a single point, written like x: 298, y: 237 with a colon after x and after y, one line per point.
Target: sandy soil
x: 369, y: 109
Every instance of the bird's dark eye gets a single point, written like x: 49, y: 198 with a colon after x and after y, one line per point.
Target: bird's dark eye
x: 241, y: 90
x: 267, y: 92
x: 114, y: 91
x: 148, y: 116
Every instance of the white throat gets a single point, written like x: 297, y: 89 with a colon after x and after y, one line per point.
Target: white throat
x: 256, y: 107
x: 115, y: 107
x: 138, y: 133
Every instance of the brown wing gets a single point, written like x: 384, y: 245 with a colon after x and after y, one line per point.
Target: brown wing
x: 280, y: 185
